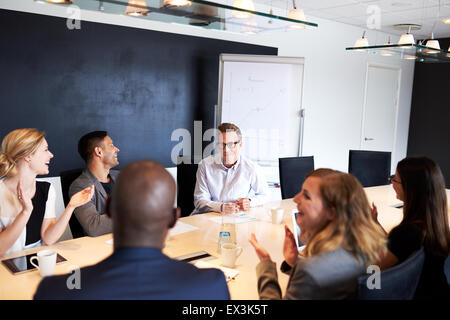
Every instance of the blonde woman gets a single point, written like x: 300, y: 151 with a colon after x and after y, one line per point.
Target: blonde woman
x: 341, y: 239
x: 27, y: 206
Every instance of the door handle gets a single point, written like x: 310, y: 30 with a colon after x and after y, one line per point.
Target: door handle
x: 369, y: 139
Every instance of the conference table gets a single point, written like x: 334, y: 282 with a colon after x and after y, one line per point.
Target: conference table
x: 198, y: 233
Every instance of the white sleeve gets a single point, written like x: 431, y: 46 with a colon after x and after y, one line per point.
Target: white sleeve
x: 50, y: 206
x: 260, y: 187
x: 202, y: 196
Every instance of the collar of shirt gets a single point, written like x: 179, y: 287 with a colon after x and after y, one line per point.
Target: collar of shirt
x: 233, y: 167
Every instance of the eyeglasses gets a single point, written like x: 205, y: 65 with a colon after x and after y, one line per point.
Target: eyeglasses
x: 392, y: 180
x: 230, y: 145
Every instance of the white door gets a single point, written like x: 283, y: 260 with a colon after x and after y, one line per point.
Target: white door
x: 380, y: 109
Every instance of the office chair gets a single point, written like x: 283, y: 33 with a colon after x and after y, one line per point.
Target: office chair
x: 371, y: 168
x: 397, y: 283
x: 67, y: 177
x: 292, y: 174
x: 186, y: 179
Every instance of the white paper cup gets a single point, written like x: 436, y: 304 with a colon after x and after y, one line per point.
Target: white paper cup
x: 46, y: 262
x: 230, y: 252
x: 277, y: 215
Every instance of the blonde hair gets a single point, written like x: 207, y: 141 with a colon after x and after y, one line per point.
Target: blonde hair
x: 353, y: 227
x: 16, y: 145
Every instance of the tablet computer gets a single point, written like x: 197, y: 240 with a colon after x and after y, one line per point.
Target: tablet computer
x: 22, y: 264
x: 200, y: 255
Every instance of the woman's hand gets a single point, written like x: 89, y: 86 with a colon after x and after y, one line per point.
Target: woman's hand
x: 290, y: 250
x: 374, y: 212
x: 82, y: 197
x: 260, y: 251
x: 25, y: 200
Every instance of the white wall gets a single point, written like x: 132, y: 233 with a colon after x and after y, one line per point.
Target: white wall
x: 334, y: 80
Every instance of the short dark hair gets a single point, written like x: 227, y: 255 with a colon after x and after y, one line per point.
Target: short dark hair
x: 229, y: 127
x: 88, y: 142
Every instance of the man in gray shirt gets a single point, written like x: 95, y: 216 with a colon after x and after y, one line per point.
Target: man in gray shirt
x: 98, y: 151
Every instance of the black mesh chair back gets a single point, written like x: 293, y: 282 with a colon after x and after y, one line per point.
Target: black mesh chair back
x: 371, y: 168
x: 396, y: 283
x: 292, y: 174
x: 186, y: 179
x: 67, y: 177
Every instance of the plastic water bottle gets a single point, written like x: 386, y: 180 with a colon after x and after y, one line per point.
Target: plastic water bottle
x: 227, y: 233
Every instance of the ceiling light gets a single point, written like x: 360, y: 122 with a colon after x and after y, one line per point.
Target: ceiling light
x: 242, y: 4
x: 446, y: 21
x: 387, y: 53
x: 59, y: 1
x: 296, y: 14
x: 432, y: 44
x: 137, y: 8
x: 177, y: 3
x: 361, y: 42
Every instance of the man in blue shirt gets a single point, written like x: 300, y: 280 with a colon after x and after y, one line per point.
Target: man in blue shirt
x: 228, y: 182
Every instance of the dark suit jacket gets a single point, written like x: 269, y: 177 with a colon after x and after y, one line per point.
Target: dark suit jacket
x: 138, y: 273
x: 91, y: 215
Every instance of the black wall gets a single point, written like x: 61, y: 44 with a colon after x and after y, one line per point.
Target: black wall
x: 429, y: 129
x: 139, y: 85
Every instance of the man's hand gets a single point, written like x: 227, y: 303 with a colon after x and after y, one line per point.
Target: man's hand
x: 229, y: 207
x: 243, y: 203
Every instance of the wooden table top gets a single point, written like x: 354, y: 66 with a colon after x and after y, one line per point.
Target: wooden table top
x: 87, y: 251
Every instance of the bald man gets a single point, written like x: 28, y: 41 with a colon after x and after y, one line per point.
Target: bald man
x: 141, y: 209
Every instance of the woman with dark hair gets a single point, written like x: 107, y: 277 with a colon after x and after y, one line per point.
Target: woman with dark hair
x: 419, y: 183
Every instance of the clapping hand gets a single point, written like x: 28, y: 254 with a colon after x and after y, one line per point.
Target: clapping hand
x: 260, y: 251
x: 374, y: 212
x: 27, y: 204
x: 82, y: 197
x: 290, y: 250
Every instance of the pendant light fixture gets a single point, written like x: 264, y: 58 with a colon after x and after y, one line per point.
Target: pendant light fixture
x: 361, y: 42
x: 407, y: 38
x: 242, y: 4
x: 59, y: 1
x: 432, y: 43
x: 387, y: 53
x: 137, y: 8
x: 177, y: 3
x: 296, y: 14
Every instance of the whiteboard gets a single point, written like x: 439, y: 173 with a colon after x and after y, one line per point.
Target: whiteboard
x: 262, y: 95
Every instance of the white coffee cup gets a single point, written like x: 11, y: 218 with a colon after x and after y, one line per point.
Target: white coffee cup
x: 277, y: 215
x: 46, y: 262
x: 230, y: 252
